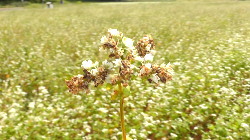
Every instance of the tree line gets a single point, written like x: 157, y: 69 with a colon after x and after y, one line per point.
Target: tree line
x: 41, y: 1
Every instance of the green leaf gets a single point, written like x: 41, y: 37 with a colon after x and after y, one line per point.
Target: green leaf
x: 126, y: 91
x: 128, y: 138
x: 109, y: 86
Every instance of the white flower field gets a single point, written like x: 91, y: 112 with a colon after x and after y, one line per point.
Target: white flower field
x: 207, y: 44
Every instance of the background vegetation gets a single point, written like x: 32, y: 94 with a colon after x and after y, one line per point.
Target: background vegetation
x: 207, y: 42
x: 58, y: 1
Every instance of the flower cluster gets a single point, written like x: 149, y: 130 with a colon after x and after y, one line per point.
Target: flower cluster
x: 124, y: 62
x: 158, y: 73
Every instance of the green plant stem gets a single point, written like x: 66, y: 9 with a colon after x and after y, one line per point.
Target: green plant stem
x: 122, y: 112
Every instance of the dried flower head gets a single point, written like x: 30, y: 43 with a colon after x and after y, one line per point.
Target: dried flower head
x: 125, y: 61
x: 145, y: 45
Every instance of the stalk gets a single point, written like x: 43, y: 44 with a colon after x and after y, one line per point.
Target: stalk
x: 122, y: 112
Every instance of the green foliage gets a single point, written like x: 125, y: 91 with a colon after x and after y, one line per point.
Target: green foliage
x: 207, y: 42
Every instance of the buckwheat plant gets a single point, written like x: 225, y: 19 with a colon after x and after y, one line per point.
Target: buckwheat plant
x: 125, y: 62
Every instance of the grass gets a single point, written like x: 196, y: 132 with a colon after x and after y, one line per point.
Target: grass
x: 208, y: 98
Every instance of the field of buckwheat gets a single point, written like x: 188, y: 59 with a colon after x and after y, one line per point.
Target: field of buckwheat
x: 208, y: 45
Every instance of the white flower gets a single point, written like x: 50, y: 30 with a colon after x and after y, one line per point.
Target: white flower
x: 142, y: 71
x: 133, y: 66
x: 111, y: 50
x: 145, y: 38
x: 128, y: 43
x: 105, y: 130
x: 40, y: 105
x: 163, y: 65
x: 173, y: 135
x: 104, y: 39
x: 177, y: 63
x: 114, y: 32
x: 108, y: 79
x: 87, y: 64
x: 12, y: 110
x: 138, y: 58
x: 108, y: 65
x: 104, y: 110
x: 244, y: 125
x: 32, y: 105
x: 120, y: 51
x: 155, y: 78
x: 168, y: 67
x: 145, y: 69
x: 134, y: 52
x: 95, y: 64
x: 133, y: 131
x: 148, y: 57
x: 148, y: 47
x: 94, y: 72
x: 203, y: 106
x: 117, y: 62
x: 79, y: 76
x: 148, y: 65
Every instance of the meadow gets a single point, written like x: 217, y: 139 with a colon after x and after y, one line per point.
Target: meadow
x: 207, y: 42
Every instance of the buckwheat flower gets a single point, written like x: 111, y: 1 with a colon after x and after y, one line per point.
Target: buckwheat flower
x: 95, y: 64
x: 128, y: 43
x: 40, y: 105
x: 145, y: 69
x: 148, y: 65
x: 105, y: 130
x: 108, y: 65
x: 244, y: 125
x: 12, y: 110
x: 138, y: 58
x: 173, y: 135
x: 148, y: 47
x: 117, y: 62
x: 145, y: 38
x: 94, y: 72
x: 114, y: 32
x: 120, y: 51
x: 104, y: 39
x: 148, y: 57
x: 87, y: 64
x: 177, y: 63
x: 155, y: 78
x: 79, y: 76
x: 77, y: 84
x: 132, y: 131
x: 32, y: 105
x: 163, y: 65
x: 203, y: 106
x: 112, y: 50
x: 109, y: 79
x: 133, y: 66
x: 168, y: 67
x: 104, y: 110
x: 134, y: 52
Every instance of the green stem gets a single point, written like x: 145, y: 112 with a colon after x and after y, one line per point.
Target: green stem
x: 122, y: 112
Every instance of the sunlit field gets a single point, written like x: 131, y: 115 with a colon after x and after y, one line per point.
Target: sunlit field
x: 208, y: 98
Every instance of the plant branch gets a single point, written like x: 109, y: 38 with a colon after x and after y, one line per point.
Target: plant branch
x: 122, y: 112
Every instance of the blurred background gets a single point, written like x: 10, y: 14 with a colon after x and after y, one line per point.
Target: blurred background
x: 207, y: 41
